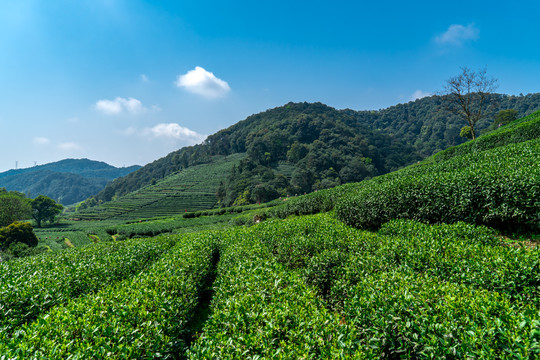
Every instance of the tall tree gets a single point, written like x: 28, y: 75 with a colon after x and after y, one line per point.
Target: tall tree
x: 505, y: 117
x: 13, y: 206
x: 45, y: 209
x: 467, y: 95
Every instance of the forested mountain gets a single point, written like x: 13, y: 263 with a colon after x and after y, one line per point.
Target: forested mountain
x: 302, y: 147
x: 67, y: 181
x: 429, y: 127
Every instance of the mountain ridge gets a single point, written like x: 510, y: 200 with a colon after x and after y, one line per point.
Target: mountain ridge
x: 67, y: 181
x: 415, y: 130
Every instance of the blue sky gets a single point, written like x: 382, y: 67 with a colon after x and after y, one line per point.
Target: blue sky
x: 128, y: 81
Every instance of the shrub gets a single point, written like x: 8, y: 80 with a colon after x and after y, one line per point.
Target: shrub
x: 18, y: 232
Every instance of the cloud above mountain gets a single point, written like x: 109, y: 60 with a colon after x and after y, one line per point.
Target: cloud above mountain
x: 175, y: 131
x: 201, y: 82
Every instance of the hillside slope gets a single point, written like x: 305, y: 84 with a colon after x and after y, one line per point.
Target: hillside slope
x: 67, y: 181
x: 191, y: 189
x: 493, y: 180
x: 315, y: 147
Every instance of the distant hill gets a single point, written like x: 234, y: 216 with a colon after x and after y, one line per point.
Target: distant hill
x: 67, y: 181
x: 303, y: 147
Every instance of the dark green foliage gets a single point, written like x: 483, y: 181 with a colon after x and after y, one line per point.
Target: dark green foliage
x: 504, y: 117
x: 498, y: 187
x: 67, y: 181
x: 427, y: 126
x: 325, y: 147
x: 45, y: 209
x: 13, y: 206
x: 19, y: 250
x: 17, y: 232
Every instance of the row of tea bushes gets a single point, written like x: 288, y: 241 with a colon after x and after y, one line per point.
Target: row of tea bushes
x: 31, y: 286
x: 144, y: 228
x: 466, y: 254
x: 261, y: 310
x: 412, y: 291
x: 416, y: 290
x: 407, y: 315
x: 140, y: 318
x: 498, y: 187
x: 307, y: 287
x: 461, y: 253
x: 524, y: 129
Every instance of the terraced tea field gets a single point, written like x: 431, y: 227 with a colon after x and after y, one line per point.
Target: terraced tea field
x: 191, y: 189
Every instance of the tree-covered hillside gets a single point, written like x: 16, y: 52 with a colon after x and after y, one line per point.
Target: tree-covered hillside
x: 302, y: 147
x: 67, y: 181
x: 429, y: 127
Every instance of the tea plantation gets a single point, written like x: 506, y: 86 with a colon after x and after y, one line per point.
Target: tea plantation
x: 191, y: 189
x: 435, y: 261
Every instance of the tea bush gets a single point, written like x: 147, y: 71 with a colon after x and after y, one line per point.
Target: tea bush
x: 143, y: 317
x: 31, y: 286
x: 498, y: 187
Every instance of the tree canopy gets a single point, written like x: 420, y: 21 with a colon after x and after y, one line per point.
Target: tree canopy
x: 45, y: 209
x: 13, y: 206
x: 505, y: 117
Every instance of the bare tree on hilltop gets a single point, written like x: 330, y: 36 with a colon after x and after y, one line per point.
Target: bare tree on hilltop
x: 467, y: 95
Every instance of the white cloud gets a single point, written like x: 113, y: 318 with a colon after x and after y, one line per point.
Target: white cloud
x: 175, y: 131
x: 165, y: 131
x: 458, y: 34
x: 418, y: 94
x: 201, y: 82
x: 119, y: 105
x: 41, y: 140
x: 144, y: 78
x: 69, y: 146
